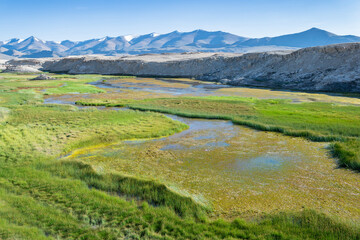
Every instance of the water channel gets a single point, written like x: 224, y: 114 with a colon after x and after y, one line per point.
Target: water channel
x: 236, y: 170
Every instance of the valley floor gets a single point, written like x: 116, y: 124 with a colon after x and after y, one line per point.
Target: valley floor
x: 109, y: 172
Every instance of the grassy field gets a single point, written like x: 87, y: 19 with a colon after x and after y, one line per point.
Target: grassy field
x: 42, y: 197
x: 61, y: 85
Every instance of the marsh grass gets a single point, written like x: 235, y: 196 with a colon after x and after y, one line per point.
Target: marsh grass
x: 57, y: 129
x: 70, y: 200
x: 4, y: 113
x: 156, y: 194
x: 104, y: 102
x: 315, y: 121
x: 20, y: 98
x: 64, y: 84
x: 74, y: 88
x: 44, y: 198
x: 348, y: 153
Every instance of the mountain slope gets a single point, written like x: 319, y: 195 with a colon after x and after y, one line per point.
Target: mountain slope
x: 310, y: 38
x: 5, y: 57
x: 110, y: 44
x: 195, y: 41
x: 99, y: 46
x: 31, y: 45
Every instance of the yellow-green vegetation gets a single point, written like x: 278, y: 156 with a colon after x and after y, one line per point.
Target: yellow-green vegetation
x: 151, y: 82
x: 295, y: 96
x: 104, y: 102
x: 4, y: 113
x: 238, y: 170
x: 63, y: 84
x: 70, y: 87
x: 316, y: 121
x: 348, y: 153
x: 42, y: 197
x: 56, y: 129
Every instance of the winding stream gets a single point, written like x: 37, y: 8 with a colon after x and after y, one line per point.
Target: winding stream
x: 237, y: 170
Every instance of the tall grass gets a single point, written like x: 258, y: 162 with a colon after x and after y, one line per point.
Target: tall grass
x: 41, y: 204
x: 348, y: 153
x: 104, y: 102
x: 154, y: 193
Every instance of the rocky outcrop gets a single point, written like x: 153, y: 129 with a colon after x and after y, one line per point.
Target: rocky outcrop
x: 20, y: 69
x: 24, y: 65
x: 333, y: 68
x: 35, y: 63
x: 43, y: 77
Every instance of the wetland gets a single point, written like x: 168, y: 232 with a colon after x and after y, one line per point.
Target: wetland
x: 272, y: 164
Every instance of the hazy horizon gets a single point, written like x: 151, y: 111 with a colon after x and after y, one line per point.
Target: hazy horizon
x: 80, y: 20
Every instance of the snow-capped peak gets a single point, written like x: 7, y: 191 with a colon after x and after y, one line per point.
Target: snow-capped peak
x: 155, y: 34
x: 129, y: 37
x: 13, y: 40
x: 33, y: 38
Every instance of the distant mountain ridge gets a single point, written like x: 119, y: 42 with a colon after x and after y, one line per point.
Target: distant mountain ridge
x: 195, y: 41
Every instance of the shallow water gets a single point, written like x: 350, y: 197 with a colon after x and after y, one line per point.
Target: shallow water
x: 237, y: 170
x: 162, y: 86
x: 189, y: 87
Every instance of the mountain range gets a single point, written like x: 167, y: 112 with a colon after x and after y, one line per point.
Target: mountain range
x: 195, y: 41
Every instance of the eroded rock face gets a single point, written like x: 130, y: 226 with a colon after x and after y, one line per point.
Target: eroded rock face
x: 20, y: 69
x: 334, y: 68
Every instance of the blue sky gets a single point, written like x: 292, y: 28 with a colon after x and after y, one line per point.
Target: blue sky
x: 85, y: 19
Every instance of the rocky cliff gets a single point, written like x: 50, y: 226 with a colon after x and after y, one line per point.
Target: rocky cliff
x: 334, y: 68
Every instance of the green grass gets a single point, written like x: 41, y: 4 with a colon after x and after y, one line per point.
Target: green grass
x: 348, y: 154
x: 55, y: 129
x: 64, y: 84
x: 42, y: 197
x: 315, y: 121
x: 20, y: 97
x: 67, y: 88
x: 318, y: 119
x: 154, y: 193
x: 4, y: 113
x: 69, y: 200
x: 104, y: 102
